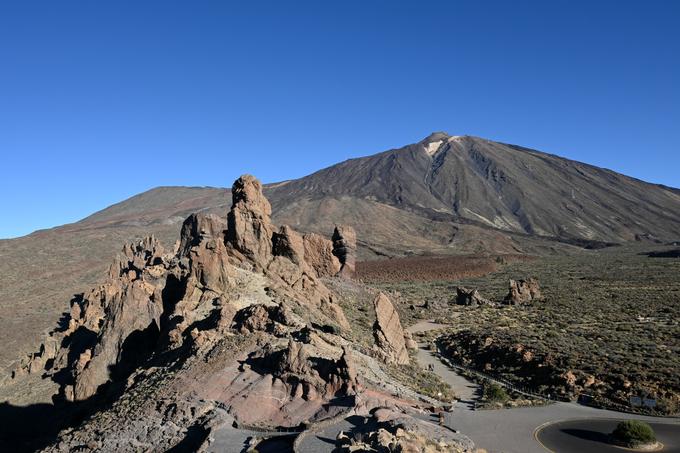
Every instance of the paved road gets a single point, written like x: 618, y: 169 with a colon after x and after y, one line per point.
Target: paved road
x: 465, y: 390
x: 508, y: 430
x: 591, y: 436
x: 324, y: 440
x: 227, y: 439
x: 512, y: 430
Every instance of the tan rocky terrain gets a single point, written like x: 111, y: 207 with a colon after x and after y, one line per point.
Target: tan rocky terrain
x: 236, y: 329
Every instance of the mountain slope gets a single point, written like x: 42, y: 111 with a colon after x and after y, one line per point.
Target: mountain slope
x: 475, y: 181
x: 445, y: 194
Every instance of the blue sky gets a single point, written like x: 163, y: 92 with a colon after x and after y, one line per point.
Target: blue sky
x: 102, y: 100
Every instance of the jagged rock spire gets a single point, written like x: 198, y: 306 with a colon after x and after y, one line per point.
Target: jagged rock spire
x: 249, y: 221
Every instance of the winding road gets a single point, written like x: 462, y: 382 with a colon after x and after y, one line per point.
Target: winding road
x: 518, y: 430
x: 588, y: 436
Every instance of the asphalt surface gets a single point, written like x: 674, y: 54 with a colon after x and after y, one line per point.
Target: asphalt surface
x: 512, y: 430
x: 591, y: 436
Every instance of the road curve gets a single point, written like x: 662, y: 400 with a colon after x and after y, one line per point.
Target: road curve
x: 591, y: 436
x: 512, y: 430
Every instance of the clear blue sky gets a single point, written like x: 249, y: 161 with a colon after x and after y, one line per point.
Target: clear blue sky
x: 102, y: 100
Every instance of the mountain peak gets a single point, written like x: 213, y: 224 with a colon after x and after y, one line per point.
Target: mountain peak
x: 433, y: 142
x: 436, y: 137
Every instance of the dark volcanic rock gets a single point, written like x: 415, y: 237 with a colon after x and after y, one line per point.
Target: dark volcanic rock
x: 469, y: 297
x: 345, y: 248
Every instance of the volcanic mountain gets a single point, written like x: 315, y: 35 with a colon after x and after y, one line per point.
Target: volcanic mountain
x: 462, y: 180
x: 444, y: 195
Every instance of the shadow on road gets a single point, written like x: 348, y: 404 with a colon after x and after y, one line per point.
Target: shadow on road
x: 587, y: 434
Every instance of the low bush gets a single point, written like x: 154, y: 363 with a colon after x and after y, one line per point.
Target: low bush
x: 633, y: 433
x: 494, y: 393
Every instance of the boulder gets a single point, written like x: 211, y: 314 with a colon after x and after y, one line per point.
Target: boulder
x: 259, y: 317
x: 469, y: 297
x: 387, y: 331
x: 410, y: 343
x: 523, y: 291
x: 345, y: 249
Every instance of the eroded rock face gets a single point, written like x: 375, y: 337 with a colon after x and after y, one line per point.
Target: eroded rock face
x: 319, y: 255
x: 345, y: 248
x: 202, y: 243
x: 289, y: 244
x: 249, y: 220
x: 153, y: 302
x: 523, y: 291
x: 316, y: 377
x: 387, y: 331
x: 263, y: 318
x: 109, y: 325
x: 469, y: 297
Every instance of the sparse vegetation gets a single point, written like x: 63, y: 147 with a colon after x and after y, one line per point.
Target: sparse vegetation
x: 425, y: 382
x: 432, y: 268
x: 608, y: 327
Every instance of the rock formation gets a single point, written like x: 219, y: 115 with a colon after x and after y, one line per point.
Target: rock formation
x: 523, y: 291
x: 469, y: 297
x: 151, y: 300
x: 258, y: 317
x: 387, y: 331
x: 319, y: 255
x: 410, y: 343
x: 345, y: 248
x: 250, y: 230
x: 312, y: 377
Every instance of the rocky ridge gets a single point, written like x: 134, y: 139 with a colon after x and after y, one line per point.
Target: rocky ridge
x: 234, y: 327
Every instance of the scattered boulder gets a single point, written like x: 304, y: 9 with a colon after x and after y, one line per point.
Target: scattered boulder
x: 410, y: 343
x: 272, y: 319
x: 345, y: 248
x: 470, y: 297
x: 523, y: 291
x: 387, y: 331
